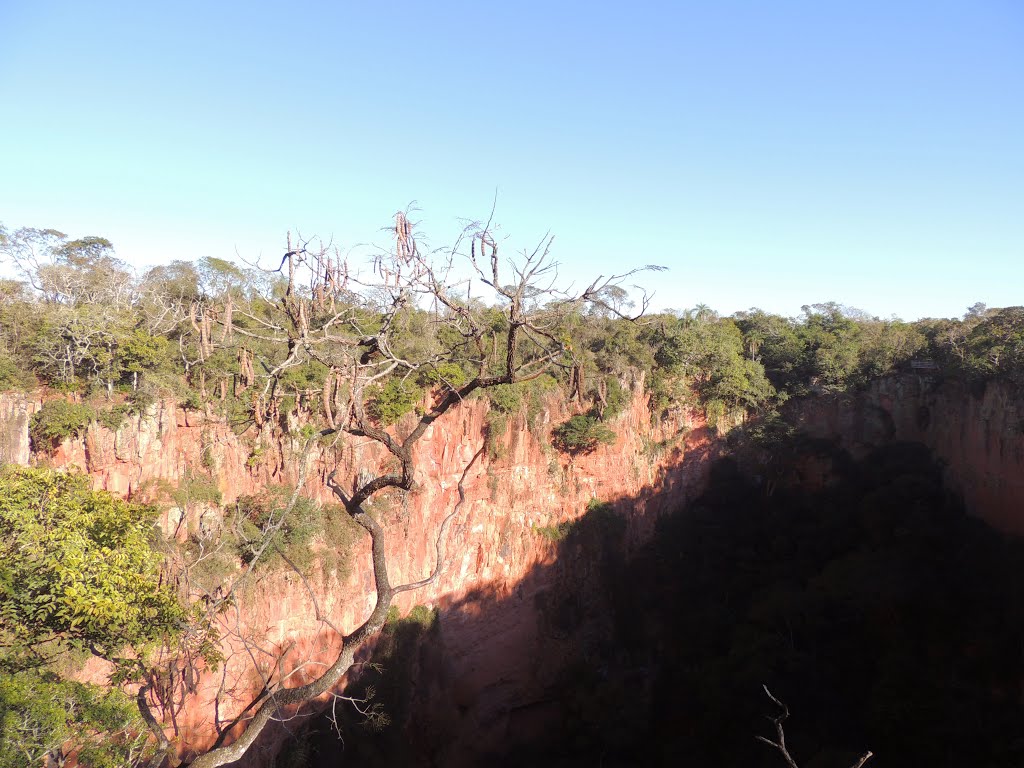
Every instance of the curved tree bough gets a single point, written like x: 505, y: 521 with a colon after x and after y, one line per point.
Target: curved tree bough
x: 326, y: 322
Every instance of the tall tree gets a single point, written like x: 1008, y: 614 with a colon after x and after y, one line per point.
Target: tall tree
x: 408, y: 319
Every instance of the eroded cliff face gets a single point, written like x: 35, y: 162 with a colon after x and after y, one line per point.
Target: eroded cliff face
x: 494, y: 542
x: 977, y: 433
x: 496, y: 665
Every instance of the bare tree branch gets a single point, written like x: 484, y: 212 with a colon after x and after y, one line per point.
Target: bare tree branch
x: 780, y: 735
x: 356, y: 324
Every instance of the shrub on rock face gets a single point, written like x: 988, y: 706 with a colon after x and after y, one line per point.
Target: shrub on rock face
x: 581, y: 434
x: 393, y: 400
x: 58, y: 420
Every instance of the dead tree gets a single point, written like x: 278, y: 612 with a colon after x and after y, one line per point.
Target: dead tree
x: 780, y: 735
x: 352, y: 322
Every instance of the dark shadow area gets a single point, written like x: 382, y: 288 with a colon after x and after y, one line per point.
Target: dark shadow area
x: 859, y: 591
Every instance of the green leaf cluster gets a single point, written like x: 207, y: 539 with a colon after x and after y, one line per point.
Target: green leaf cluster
x: 57, y: 421
x: 580, y: 434
x: 77, y: 568
x: 392, y: 400
x: 43, y: 717
x: 78, y: 575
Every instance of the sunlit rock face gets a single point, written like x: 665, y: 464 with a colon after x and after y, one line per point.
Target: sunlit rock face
x: 491, y: 684
x: 494, y: 543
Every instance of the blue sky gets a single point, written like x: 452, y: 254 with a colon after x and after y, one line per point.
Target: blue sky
x: 771, y: 154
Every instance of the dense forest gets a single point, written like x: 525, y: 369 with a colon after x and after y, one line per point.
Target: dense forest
x: 83, y: 322
x: 804, y: 593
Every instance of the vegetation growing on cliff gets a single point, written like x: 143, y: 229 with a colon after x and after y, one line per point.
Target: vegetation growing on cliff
x: 79, y: 575
x: 381, y: 354
x: 315, y: 346
x: 82, y: 322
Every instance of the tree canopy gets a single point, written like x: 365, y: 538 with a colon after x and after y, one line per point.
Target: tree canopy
x: 78, y: 575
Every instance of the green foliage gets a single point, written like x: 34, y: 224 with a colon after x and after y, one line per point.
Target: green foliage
x: 600, y: 521
x: 553, y: 533
x: 77, y: 567
x: 449, y: 375
x: 78, y: 573
x: 310, y: 532
x: 44, y: 717
x: 192, y: 401
x: 423, y: 616
x: 995, y: 345
x: 390, y: 402
x: 255, y: 457
x: 207, y: 458
x: 196, y: 488
x: 138, y: 402
x: 140, y: 351
x: 538, y: 390
x: 305, y: 377
x: 707, y: 357
x: 113, y: 417
x: 495, y: 427
x: 57, y: 421
x: 506, y: 398
x: 617, y: 398
x: 582, y: 433
x: 14, y: 375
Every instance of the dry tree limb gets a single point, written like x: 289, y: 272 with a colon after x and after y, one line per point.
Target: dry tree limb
x: 780, y: 735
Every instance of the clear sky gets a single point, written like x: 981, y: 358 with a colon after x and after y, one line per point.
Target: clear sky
x: 772, y: 154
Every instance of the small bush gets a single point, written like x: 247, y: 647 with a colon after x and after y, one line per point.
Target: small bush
x: 57, y: 421
x: 192, y: 401
x: 506, y: 398
x: 495, y: 426
x: 553, y: 533
x: 617, y: 397
x: 392, y: 401
x: 422, y: 615
x: 140, y: 400
x: 308, y: 522
x: 581, y: 434
x: 539, y: 388
x: 112, y: 418
x: 196, y: 488
x: 450, y: 375
x: 255, y: 457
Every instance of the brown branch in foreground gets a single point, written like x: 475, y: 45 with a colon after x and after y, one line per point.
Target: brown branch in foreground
x: 163, y: 745
x: 441, y: 534
x: 352, y: 324
x: 275, y: 701
x: 780, y: 735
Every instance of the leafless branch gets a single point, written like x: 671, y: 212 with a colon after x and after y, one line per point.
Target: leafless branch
x: 780, y: 735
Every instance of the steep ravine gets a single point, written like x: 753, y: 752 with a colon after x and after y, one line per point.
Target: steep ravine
x: 977, y: 432
x: 498, y: 557
x: 493, y: 544
x: 856, y: 587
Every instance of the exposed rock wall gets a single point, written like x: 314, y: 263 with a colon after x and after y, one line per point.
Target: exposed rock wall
x: 495, y: 551
x: 492, y: 545
x: 978, y: 433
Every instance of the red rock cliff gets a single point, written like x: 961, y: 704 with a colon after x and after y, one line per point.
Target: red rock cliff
x: 978, y: 434
x: 492, y: 545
